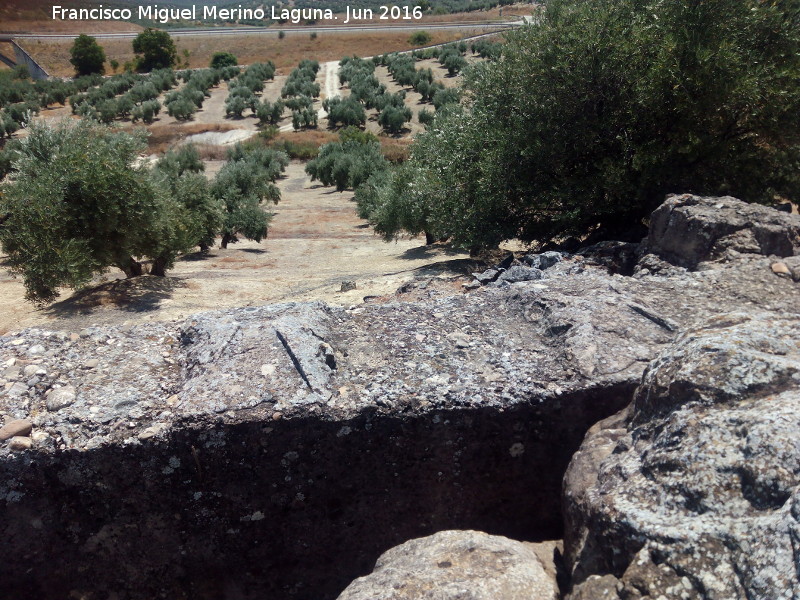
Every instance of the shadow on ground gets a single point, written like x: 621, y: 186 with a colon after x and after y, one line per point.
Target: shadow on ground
x: 196, y: 256
x: 137, y: 295
x: 431, y: 251
x: 458, y: 266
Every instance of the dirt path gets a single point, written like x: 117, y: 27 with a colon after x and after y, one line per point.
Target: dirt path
x: 330, y: 86
x: 315, y: 242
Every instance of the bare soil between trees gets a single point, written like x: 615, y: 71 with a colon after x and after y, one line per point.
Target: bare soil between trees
x: 316, y: 241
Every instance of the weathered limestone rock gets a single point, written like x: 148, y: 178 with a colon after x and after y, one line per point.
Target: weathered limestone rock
x: 543, y: 261
x: 275, y: 452
x: 696, y: 494
x: 463, y: 565
x: 687, y: 230
x: 59, y: 398
x: 15, y: 427
x: 519, y: 273
x: 617, y: 257
x: 18, y: 443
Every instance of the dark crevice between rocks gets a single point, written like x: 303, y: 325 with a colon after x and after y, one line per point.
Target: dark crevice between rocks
x: 289, y: 509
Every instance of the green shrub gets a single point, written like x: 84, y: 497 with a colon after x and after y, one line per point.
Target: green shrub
x: 220, y: 60
x: 305, y: 118
x: 269, y: 113
x: 444, y: 96
x: 419, y: 38
x: 301, y: 150
x: 87, y: 56
x: 235, y: 106
x: 393, y: 118
x: 298, y: 102
x: 425, y: 117
x: 181, y: 109
x: 146, y: 112
x: 347, y: 164
x: 155, y: 49
x: 346, y: 112
x: 7, y: 155
x: 454, y: 63
x: 107, y: 111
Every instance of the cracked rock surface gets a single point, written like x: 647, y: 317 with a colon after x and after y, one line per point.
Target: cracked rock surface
x: 700, y: 483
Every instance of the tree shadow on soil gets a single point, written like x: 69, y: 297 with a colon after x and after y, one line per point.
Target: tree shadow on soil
x: 460, y: 266
x: 196, y: 256
x: 137, y: 295
x: 431, y: 251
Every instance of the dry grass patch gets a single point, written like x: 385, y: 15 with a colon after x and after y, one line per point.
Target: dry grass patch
x: 164, y: 137
x: 395, y: 150
x: 501, y: 14
x: 53, y: 55
x: 212, y: 152
x: 13, y: 20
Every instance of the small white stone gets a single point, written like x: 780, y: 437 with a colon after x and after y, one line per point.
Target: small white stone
x: 40, y: 436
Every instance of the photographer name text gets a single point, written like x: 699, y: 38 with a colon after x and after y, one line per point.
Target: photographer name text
x: 159, y: 14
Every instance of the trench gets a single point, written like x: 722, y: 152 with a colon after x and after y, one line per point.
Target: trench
x: 288, y: 509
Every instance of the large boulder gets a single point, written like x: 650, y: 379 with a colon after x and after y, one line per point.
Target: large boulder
x: 687, y: 230
x: 694, y: 491
x: 458, y: 565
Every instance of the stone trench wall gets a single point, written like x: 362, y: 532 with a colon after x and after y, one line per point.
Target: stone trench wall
x: 293, y: 508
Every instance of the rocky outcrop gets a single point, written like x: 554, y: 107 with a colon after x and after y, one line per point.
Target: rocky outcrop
x: 687, y: 230
x: 701, y: 484
x: 470, y: 565
x: 278, y: 451
x: 691, y: 492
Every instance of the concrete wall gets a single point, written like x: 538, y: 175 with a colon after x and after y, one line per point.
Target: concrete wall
x: 21, y: 57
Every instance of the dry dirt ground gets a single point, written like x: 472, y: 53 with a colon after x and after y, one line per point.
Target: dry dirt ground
x: 315, y: 242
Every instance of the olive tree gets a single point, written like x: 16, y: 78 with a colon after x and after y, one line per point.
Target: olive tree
x: 245, y: 181
x: 347, y: 163
x: 78, y: 204
x: 596, y: 112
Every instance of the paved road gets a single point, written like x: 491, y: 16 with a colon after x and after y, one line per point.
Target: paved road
x: 228, y: 31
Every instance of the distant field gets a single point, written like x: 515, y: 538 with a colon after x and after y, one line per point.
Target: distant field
x: 14, y: 20
x: 51, y: 26
x: 479, y: 16
x: 53, y: 55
